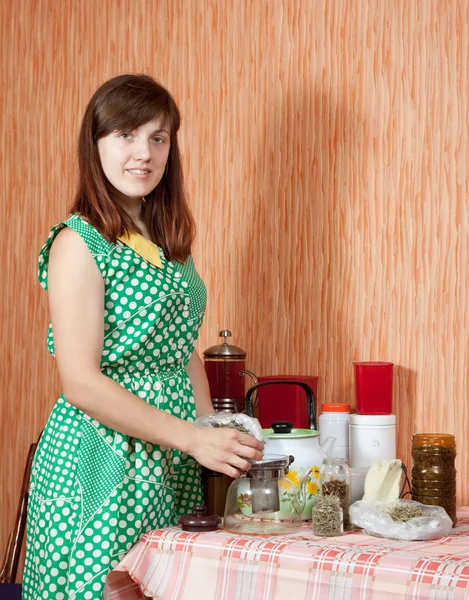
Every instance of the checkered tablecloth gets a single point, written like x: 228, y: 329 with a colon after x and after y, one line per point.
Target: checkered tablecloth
x: 171, y: 564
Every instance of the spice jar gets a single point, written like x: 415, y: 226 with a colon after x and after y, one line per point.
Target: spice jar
x: 335, y: 481
x: 327, y: 517
x: 433, y: 471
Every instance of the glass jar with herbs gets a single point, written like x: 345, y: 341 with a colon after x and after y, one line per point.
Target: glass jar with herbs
x: 433, y: 471
x: 335, y: 481
x: 327, y: 517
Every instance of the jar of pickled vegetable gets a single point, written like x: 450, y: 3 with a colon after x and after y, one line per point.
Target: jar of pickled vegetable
x: 433, y: 471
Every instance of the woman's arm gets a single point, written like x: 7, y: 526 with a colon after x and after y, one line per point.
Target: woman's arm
x: 196, y: 371
x: 76, y: 297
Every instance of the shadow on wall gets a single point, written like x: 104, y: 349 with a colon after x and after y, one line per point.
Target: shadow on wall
x: 404, y: 394
x: 290, y: 293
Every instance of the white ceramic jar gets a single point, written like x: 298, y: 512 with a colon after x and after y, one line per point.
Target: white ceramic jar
x: 334, y: 422
x: 372, y: 437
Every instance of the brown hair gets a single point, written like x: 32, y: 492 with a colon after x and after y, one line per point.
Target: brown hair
x: 127, y: 102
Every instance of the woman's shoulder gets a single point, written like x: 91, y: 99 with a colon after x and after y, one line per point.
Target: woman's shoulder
x: 92, y: 237
x: 73, y: 232
x: 66, y: 239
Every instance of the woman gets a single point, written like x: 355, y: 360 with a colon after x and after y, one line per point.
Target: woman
x: 119, y: 454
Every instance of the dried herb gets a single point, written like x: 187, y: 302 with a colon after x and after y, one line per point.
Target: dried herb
x: 232, y: 425
x: 405, y: 512
x: 326, y: 517
x: 341, y: 490
x: 444, y: 495
x: 433, y: 462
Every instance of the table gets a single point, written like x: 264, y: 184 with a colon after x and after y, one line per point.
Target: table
x: 171, y: 564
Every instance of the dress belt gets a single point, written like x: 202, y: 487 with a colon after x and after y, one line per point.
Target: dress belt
x: 161, y: 375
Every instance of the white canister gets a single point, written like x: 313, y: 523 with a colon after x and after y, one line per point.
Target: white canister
x: 334, y: 422
x: 357, y: 483
x: 372, y: 437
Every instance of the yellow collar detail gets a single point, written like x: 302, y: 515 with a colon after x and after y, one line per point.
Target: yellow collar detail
x: 146, y: 249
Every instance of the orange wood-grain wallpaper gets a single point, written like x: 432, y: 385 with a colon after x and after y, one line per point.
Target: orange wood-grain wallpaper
x: 326, y: 153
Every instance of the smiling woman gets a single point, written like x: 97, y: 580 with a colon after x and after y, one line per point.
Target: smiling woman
x: 119, y: 454
x: 134, y: 162
x: 128, y: 151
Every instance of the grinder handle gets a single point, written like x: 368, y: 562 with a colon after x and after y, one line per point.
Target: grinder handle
x: 309, y: 396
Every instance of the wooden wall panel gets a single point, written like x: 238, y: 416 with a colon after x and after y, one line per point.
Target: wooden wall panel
x: 326, y: 153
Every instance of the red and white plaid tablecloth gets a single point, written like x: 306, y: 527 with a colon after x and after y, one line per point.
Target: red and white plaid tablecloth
x: 171, y: 564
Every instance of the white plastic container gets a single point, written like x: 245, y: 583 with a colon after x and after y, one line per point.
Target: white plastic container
x: 334, y: 422
x: 357, y: 483
x: 372, y: 437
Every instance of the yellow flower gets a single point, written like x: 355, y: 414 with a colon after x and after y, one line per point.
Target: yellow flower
x: 292, y: 477
x: 312, y: 488
x: 316, y: 471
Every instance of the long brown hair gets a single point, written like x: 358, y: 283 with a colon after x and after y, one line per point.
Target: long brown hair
x: 126, y: 102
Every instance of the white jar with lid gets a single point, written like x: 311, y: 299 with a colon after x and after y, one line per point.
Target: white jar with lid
x: 334, y: 422
x: 372, y: 437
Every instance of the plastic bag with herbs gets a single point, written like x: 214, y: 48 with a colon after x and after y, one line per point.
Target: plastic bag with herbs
x: 404, y: 520
x: 238, y: 421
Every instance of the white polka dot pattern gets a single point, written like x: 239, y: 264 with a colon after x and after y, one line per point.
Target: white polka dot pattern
x: 94, y: 491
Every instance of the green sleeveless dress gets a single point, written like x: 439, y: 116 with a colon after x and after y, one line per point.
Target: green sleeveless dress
x: 95, y: 491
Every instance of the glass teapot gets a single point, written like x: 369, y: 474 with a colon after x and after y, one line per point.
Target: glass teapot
x: 264, y: 501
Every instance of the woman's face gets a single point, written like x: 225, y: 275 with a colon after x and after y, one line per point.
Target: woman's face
x: 134, y: 161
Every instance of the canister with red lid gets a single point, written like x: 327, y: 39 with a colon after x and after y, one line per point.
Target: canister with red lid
x: 334, y: 422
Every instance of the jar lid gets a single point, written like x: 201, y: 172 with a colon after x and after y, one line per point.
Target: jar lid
x: 372, y: 420
x: 199, y: 521
x: 335, y: 408
x: 373, y: 363
x: 224, y: 350
x: 444, y: 440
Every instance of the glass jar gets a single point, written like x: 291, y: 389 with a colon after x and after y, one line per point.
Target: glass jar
x: 335, y: 481
x: 433, y: 471
x: 327, y: 517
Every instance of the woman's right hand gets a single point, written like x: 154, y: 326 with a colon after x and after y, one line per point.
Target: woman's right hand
x: 225, y: 450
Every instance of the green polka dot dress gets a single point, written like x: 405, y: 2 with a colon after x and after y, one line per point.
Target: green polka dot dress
x: 95, y: 491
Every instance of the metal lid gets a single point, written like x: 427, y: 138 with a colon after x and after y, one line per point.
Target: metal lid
x: 271, y: 461
x: 199, y: 521
x: 224, y: 350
